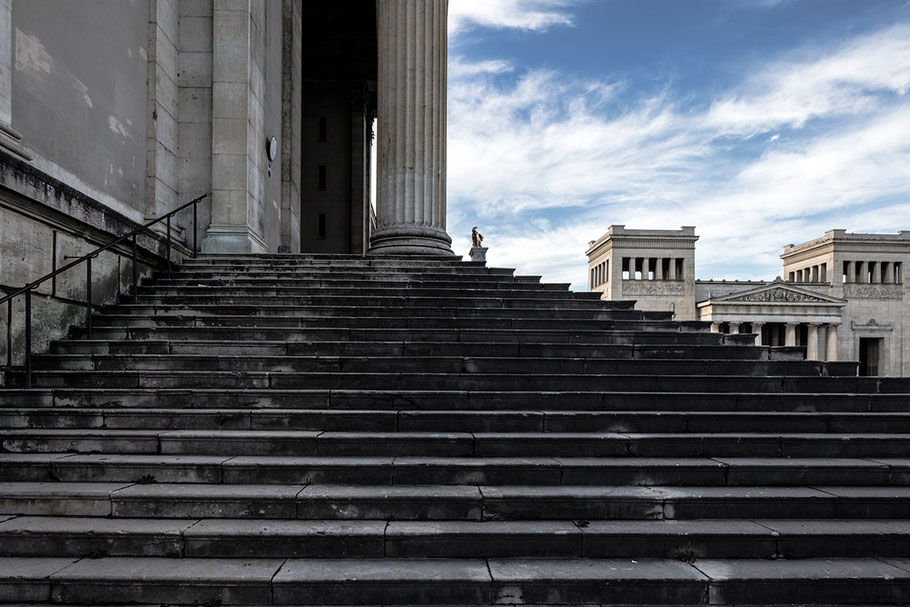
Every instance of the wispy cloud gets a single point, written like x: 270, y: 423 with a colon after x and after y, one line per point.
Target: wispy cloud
x: 544, y: 163
x: 509, y: 14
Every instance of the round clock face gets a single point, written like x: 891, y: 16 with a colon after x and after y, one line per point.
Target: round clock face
x: 272, y: 148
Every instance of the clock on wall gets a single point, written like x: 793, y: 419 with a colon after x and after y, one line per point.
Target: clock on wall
x: 271, y: 148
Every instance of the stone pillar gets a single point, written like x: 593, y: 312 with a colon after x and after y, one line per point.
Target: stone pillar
x: 831, y: 349
x: 876, y: 271
x: 851, y: 272
x: 756, y: 328
x: 659, y: 270
x: 790, y: 335
x: 861, y: 270
x: 734, y: 328
x: 812, y: 343
x: 237, y: 142
x: 645, y: 268
x: 672, y: 268
x: 411, y: 214
x: 715, y: 327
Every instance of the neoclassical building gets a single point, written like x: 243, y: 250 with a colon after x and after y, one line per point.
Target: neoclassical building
x: 841, y: 296
x: 114, y: 112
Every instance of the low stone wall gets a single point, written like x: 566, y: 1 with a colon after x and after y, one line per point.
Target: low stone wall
x: 42, y: 222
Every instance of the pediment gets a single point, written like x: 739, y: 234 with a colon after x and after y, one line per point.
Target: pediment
x: 778, y: 291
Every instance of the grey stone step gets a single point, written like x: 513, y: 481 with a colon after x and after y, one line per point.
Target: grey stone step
x: 461, y: 581
x: 461, y: 400
x: 409, y: 292
x: 28, y: 536
x: 254, y: 299
x: 440, y: 364
x: 454, y: 470
x: 340, y: 283
x: 456, y: 444
x: 450, y: 502
x: 400, y: 348
x: 452, y: 421
x: 654, y: 336
x: 366, y: 311
x: 297, y: 321
x: 504, y: 382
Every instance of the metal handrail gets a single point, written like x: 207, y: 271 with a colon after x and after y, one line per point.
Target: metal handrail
x: 87, y: 258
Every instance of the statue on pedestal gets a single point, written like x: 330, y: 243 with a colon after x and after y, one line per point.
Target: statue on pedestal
x: 478, y: 251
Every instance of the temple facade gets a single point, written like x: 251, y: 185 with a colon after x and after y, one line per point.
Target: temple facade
x: 271, y: 109
x: 841, y: 296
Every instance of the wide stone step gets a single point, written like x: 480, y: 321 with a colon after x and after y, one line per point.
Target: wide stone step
x: 409, y: 290
x: 28, y: 536
x: 462, y: 400
x: 450, y: 502
x: 618, y: 382
x: 451, y: 421
x: 296, y: 321
x: 493, y: 470
x: 440, y: 364
x: 491, y: 284
x: 462, y: 581
x: 355, y: 299
x: 398, y: 348
x: 373, y: 312
x: 455, y: 444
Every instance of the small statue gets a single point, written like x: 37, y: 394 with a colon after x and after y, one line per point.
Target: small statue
x: 476, y: 238
x: 478, y: 251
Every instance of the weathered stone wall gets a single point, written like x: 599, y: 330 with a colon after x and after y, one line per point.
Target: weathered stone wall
x: 42, y: 222
x: 79, y: 94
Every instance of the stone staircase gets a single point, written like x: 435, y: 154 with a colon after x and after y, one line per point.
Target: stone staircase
x: 338, y: 430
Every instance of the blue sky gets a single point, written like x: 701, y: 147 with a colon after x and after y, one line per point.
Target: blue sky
x: 760, y: 122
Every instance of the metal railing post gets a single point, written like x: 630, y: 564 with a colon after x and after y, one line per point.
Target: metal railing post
x: 135, y: 274
x: 168, y: 247
x: 9, y: 333
x: 195, y: 249
x: 88, y: 297
x: 28, y: 338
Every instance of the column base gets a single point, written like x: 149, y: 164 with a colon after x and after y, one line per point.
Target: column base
x: 232, y: 239
x: 411, y: 240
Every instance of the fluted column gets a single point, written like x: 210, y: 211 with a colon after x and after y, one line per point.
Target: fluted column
x: 812, y: 343
x: 411, y: 214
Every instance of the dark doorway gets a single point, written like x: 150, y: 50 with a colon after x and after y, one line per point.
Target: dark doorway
x: 869, y: 355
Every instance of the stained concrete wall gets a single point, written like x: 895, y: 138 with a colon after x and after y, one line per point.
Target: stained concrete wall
x: 79, y: 90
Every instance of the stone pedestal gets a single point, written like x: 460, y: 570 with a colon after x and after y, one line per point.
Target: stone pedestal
x: 478, y: 254
x: 411, y: 214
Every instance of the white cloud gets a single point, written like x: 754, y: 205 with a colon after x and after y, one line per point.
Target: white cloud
x: 584, y: 156
x: 847, y: 82
x: 508, y: 14
x: 458, y: 68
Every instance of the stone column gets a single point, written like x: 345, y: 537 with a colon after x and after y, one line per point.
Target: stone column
x: 659, y: 270
x: 734, y: 328
x: 411, y: 214
x: 790, y: 335
x: 756, y: 328
x: 645, y: 267
x: 831, y: 349
x: 851, y: 272
x: 861, y: 270
x: 715, y: 327
x: 672, y: 268
x: 876, y: 272
x: 812, y: 343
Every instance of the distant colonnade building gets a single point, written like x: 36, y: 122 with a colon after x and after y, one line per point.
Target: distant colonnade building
x: 844, y: 296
